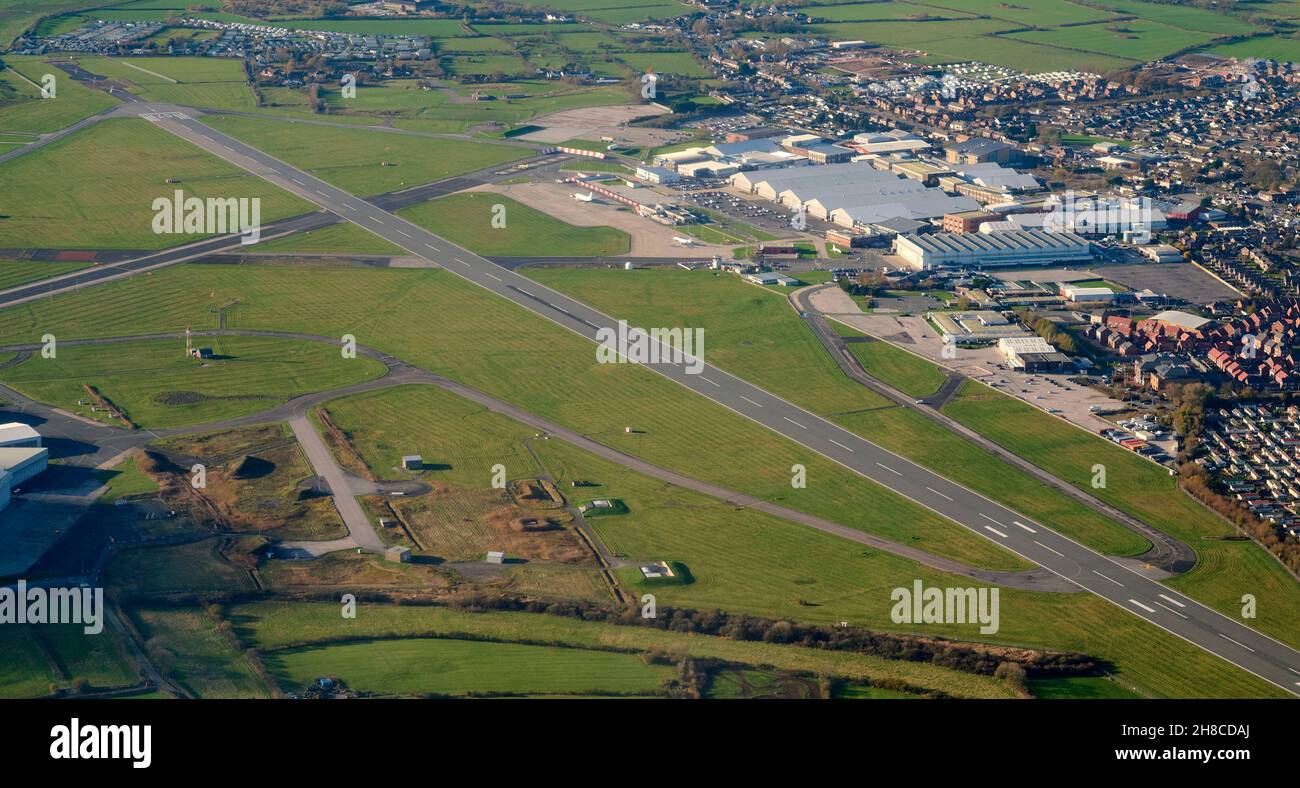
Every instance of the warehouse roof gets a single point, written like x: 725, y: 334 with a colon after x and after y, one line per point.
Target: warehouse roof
x: 1025, y: 240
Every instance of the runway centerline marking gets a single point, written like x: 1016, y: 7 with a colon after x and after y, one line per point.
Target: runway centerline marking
x: 1111, y: 579
x: 994, y: 530
x: 891, y: 470
x: 1171, y: 610
x: 841, y: 445
x: 936, y: 492
x: 1243, y: 645
x: 750, y: 401
x: 706, y: 380
x: 1019, y: 524
x: 1048, y: 549
x: 792, y: 421
x: 1144, y: 607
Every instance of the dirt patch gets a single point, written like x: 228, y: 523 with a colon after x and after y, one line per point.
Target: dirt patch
x: 341, y: 447
x: 536, y: 493
x: 592, y: 123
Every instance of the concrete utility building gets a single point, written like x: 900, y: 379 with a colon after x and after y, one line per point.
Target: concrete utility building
x: 22, y: 463
x: 1080, y: 295
x: 986, y: 250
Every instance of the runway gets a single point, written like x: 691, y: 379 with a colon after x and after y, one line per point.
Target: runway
x: 1168, y: 609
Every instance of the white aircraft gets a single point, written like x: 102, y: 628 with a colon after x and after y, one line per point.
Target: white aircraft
x: 582, y: 197
x: 683, y: 240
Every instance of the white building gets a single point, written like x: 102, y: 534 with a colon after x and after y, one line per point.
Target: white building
x: 984, y: 250
x: 657, y: 175
x: 1012, y: 347
x: 1077, y: 294
x: 18, y: 434
x: 23, y: 462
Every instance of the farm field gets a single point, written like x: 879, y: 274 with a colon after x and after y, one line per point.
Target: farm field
x: 95, y: 188
x: 23, y: 110
x: 185, y: 644
x: 279, y: 625
x: 421, y: 666
x: 1135, y: 40
x: 361, y: 161
x: 467, y: 220
x: 157, y: 386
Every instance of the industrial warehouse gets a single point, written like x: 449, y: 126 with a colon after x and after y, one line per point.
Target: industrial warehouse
x: 851, y: 195
x: 985, y: 250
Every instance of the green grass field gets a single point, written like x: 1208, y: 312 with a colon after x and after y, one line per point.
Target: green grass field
x: 23, y: 110
x: 902, y: 370
x: 125, y: 479
x: 158, y: 386
x: 191, y: 567
x: 278, y: 625
x: 208, y: 82
x: 361, y: 161
x: 95, y: 188
x: 467, y: 220
x: 465, y: 667
x: 757, y: 335
x: 186, y: 647
x: 340, y: 238
x: 19, y: 272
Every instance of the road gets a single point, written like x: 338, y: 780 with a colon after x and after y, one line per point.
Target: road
x: 1138, y: 595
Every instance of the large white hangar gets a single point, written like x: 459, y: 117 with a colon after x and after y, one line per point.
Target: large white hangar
x: 986, y: 250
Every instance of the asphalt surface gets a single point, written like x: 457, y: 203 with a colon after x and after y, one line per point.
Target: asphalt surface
x: 1182, y: 616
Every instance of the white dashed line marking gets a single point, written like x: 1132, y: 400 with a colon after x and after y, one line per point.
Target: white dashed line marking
x: 403, y: 234
x: 706, y: 380
x: 1171, y: 610
x: 462, y: 262
x: 795, y: 423
x: 891, y: 470
x: 1048, y: 549
x: 494, y: 276
x: 936, y: 492
x: 750, y: 401
x: 1139, y: 604
x: 431, y: 248
x: 841, y: 445
x: 991, y: 520
x: 1171, y: 600
x: 321, y: 193
x: 994, y: 530
x: 1243, y: 645
x: 1019, y: 524
x: 1116, y: 582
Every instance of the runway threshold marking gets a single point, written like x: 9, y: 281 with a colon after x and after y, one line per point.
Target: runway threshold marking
x: 1139, y: 604
x: 994, y: 530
